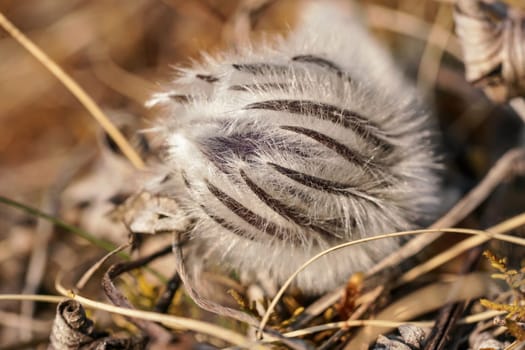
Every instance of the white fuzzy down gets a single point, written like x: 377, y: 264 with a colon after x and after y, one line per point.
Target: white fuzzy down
x: 215, y: 124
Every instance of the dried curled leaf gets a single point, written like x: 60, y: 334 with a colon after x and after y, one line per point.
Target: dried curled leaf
x: 493, y: 39
x: 73, y: 330
x: 144, y: 212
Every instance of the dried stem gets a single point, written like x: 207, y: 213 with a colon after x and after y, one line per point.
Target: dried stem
x: 76, y: 90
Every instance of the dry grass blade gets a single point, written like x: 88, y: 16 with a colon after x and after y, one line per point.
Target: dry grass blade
x: 53, y: 299
x: 463, y: 246
x: 352, y: 323
x: 103, y: 244
x: 70, y: 228
x: 482, y: 316
x: 87, y: 275
x: 76, y: 90
x: 503, y: 167
x: 288, y: 282
x: 432, y: 55
x: 172, y: 322
x: 496, y: 233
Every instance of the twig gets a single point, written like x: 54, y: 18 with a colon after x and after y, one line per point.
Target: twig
x: 164, y: 301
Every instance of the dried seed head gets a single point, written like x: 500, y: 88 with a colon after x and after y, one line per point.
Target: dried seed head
x: 283, y: 150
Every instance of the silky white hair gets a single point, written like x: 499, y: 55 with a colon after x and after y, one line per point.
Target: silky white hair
x: 287, y: 148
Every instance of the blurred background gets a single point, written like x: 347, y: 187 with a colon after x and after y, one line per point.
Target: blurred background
x: 54, y: 156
